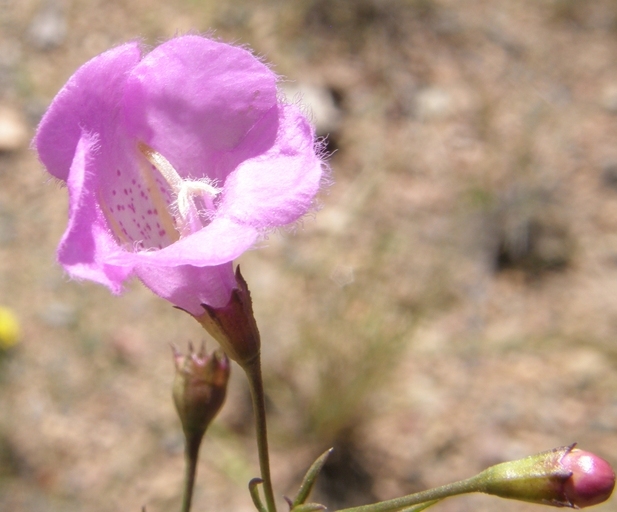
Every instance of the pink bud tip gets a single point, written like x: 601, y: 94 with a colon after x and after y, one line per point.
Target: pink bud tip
x: 592, y: 480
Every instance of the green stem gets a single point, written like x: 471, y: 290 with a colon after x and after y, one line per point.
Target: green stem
x: 191, y: 455
x: 439, y: 493
x: 419, y: 508
x: 253, y: 373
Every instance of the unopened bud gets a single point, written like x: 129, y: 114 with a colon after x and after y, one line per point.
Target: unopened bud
x: 233, y: 325
x: 199, y: 390
x: 592, y: 480
x: 562, y: 477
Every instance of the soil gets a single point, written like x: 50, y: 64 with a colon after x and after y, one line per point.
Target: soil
x: 452, y: 305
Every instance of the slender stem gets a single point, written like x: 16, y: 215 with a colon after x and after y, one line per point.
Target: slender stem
x: 438, y: 493
x: 253, y: 373
x: 191, y: 455
x: 419, y: 508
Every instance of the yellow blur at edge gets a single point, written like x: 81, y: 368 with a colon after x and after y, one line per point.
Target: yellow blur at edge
x: 9, y: 329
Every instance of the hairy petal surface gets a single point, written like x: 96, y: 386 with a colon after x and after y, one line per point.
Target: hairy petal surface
x: 278, y: 186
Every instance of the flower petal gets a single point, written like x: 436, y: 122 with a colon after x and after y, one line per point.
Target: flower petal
x: 279, y: 186
x: 135, y: 199
x: 188, y: 287
x: 193, y: 99
x: 220, y: 242
x: 88, y: 101
x: 87, y: 240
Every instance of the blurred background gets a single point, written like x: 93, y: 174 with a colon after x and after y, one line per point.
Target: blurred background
x: 452, y: 305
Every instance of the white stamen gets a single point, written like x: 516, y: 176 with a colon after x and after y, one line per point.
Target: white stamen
x: 191, y: 189
x: 185, y: 190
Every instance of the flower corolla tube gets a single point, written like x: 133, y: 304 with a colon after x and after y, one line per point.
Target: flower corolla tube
x: 176, y: 162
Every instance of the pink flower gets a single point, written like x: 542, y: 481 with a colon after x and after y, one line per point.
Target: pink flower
x: 176, y: 163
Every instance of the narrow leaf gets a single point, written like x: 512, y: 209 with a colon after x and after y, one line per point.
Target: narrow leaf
x: 253, y: 484
x: 309, y: 479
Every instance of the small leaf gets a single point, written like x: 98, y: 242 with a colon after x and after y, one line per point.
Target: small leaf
x: 255, y: 494
x: 309, y: 479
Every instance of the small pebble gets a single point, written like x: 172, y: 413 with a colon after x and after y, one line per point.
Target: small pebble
x: 13, y: 130
x: 342, y: 275
x: 433, y: 103
x: 48, y: 28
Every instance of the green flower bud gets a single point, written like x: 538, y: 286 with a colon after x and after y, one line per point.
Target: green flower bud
x: 563, y: 477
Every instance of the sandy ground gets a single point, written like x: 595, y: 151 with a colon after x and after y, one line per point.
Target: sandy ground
x: 451, y: 306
